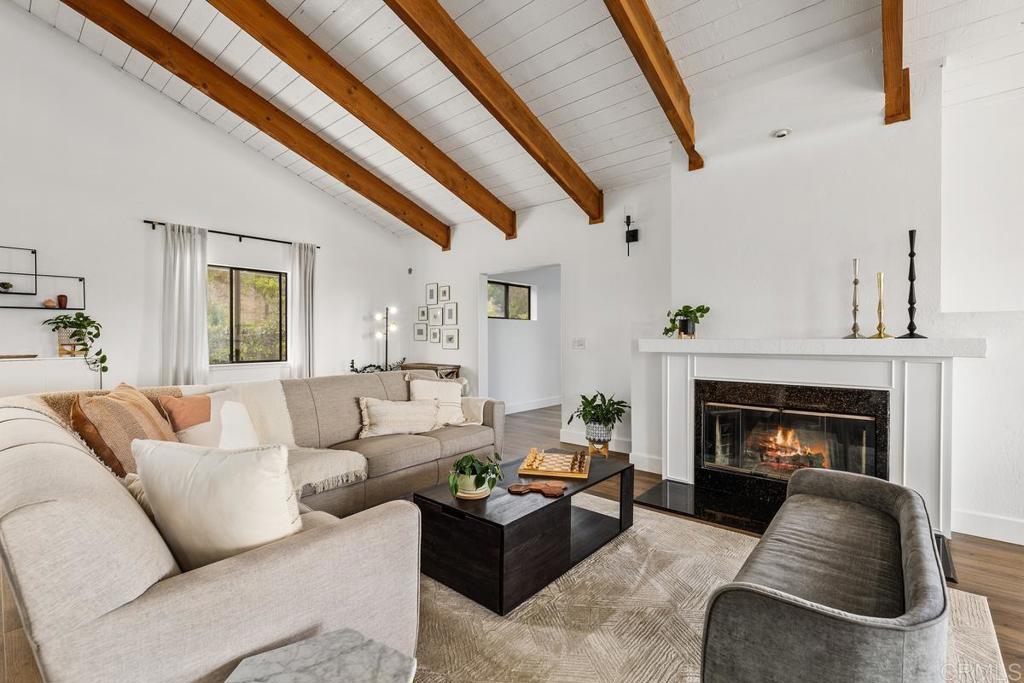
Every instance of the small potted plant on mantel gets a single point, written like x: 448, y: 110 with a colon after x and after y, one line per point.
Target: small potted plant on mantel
x: 599, y: 413
x: 473, y: 478
x: 683, y: 323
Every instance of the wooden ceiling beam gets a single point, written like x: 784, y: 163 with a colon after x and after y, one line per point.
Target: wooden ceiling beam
x: 640, y: 30
x: 895, y: 76
x: 261, y: 21
x: 122, y: 20
x: 439, y: 32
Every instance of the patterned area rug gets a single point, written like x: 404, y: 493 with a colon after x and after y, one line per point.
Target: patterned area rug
x: 633, y: 611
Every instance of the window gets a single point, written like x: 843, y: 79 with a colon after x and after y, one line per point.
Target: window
x: 246, y: 315
x: 508, y: 301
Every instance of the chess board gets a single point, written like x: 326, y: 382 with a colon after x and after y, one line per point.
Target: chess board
x: 556, y: 462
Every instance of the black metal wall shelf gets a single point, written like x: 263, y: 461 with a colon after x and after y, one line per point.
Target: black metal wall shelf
x: 34, y: 274
x: 38, y: 307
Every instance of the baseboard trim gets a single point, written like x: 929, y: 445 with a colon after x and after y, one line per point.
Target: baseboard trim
x: 580, y: 439
x: 646, y: 462
x: 511, y: 408
x: 995, y: 527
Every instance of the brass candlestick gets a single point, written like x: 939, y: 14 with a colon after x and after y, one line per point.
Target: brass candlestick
x: 855, y: 330
x: 881, y: 309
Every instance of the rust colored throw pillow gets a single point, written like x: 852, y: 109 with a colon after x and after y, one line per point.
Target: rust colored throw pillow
x: 187, y: 411
x: 110, y: 423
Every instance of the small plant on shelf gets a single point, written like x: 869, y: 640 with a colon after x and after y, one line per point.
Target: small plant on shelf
x: 473, y: 477
x: 684, y: 321
x: 78, y: 333
x: 600, y: 414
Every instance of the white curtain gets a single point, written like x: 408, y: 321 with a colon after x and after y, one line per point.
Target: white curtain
x: 300, y: 309
x: 184, y: 355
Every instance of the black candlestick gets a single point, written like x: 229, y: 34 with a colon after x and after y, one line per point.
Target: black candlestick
x: 912, y: 298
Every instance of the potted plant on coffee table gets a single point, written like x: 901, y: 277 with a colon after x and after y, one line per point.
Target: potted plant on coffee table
x: 473, y: 477
x: 683, y: 322
x: 599, y: 413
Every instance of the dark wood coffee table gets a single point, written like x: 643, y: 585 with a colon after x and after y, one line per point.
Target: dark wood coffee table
x: 501, y: 550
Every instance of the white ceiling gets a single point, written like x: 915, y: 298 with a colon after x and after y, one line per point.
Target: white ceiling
x: 565, y: 58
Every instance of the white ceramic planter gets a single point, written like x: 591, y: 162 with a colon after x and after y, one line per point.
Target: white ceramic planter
x: 598, y: 433
x: 467, y: 486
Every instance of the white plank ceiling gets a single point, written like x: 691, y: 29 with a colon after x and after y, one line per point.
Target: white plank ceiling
x: 565, y: 58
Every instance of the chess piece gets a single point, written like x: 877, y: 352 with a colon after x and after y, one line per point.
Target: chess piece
x: 881, y: 334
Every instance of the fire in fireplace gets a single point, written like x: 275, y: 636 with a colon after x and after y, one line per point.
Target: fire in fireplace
x: 751, y: 437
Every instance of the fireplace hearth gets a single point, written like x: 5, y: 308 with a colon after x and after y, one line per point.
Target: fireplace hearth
x: 751, y: 437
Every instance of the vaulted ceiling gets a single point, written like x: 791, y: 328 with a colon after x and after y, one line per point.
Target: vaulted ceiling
x: 565, y: 58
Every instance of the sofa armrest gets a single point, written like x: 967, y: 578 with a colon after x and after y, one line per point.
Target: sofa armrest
x: 754, y: 633
x: 494, y: 417
x: 361, y: 572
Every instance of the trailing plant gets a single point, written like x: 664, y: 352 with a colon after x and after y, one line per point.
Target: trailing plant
x: 599, y: 409
x: 486, y: 471
x: 83, y: 331
x: 373, y: 367
x: 694, y: 313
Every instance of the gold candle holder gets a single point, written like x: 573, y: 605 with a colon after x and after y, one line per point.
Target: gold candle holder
x: 880, y: 277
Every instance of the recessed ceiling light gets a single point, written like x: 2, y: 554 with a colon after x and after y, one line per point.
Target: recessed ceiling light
x: 781, y: 132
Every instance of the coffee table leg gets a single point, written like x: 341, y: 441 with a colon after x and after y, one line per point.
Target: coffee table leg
x: 626, y: 499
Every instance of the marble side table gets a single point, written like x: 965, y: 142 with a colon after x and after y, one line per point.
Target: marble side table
x: 344, y: 655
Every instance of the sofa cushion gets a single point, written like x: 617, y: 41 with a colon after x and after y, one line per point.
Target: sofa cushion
x: 302, y: 409
x: 458, y: 440
x: 110, y: 423
x: 337, y: 404
x: 393, y: 452
x: 315, y: 470
x: 832, y: 552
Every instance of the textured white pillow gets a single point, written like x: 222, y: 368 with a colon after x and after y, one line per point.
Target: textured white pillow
x: 230, y: 425
x: 448, y: 395
x: 210, y: 503
x: 396, y: 417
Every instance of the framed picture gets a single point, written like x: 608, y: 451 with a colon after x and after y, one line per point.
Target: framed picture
x: 450, y: 338
x: 444, y: 293
x: 451, y: 313
x: 419, y: 332
x: 435, y: 334
x: 421, y: 314
x: 435, y: 316
x: 432, y: 294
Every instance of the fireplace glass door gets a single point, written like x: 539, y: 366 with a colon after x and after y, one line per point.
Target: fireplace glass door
x: 773, y: 442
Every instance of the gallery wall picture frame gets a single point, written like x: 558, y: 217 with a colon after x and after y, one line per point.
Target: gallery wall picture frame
x: 450, y: 338
x: 432, y: 294
x: 435, y: 316
x: 421, y: 314
x: 451, y: 313
x: 419, y: 332
x: 435, y: 335
x: 444, y: 293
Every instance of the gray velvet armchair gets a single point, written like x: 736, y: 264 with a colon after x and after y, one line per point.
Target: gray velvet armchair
x: 845, y: 585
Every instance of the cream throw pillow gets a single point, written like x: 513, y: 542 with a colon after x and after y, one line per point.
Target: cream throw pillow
x: 210, y: 504
x: 448, y: 395
x: 396, y: 417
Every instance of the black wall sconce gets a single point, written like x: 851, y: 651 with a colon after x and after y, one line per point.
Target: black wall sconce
x: 632, y: 234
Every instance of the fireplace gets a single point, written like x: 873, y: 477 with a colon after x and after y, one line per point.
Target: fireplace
x: 751, y: 437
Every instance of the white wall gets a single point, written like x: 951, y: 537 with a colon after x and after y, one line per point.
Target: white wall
x: 524, y: 357
x: 89, y: 152
x: 608, y: 299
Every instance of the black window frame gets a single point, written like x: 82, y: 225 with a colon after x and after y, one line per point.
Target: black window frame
x: 529, y: 300
x: 282, y: 323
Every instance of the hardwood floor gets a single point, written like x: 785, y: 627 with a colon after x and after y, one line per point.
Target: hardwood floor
x: 989, y: 568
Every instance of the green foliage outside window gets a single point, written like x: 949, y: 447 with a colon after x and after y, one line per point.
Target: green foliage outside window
x: 246, y: 314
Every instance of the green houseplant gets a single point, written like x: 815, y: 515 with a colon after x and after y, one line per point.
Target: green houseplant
x: 684, y: 321
x: 81, y: 331
x: 599, y: 413
x: 473, y: 477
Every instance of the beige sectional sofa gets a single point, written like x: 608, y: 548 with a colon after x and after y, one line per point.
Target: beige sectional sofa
x: 102, y: 599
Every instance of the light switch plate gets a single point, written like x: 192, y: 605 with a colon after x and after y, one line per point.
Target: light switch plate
x: 579, y: 343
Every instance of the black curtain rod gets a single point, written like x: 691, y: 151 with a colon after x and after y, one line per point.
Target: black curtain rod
x: 240, y: 236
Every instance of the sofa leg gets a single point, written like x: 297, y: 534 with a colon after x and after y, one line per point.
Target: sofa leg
x: 946, y: 557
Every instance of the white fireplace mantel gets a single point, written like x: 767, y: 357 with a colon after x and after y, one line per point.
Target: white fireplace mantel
x: 917, y: 373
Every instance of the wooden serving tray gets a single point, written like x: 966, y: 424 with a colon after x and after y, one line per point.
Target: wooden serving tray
x: 557, y: 461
